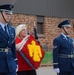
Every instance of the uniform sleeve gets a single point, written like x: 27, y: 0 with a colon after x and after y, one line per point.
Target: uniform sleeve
x: 13, y: 49
x: 56, y: 47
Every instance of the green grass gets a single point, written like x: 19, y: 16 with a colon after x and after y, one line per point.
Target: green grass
x: 47, y: 60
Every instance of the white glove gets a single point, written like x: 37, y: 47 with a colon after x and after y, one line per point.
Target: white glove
x: 57, y: 70
x: 17, y: 68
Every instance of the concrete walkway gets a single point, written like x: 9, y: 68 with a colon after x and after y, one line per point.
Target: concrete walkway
x: 48, y: 70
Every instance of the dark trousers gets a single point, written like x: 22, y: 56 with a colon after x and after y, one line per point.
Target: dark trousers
x: 10, y: 73
x: 29, y: 72
x: 66, y: 73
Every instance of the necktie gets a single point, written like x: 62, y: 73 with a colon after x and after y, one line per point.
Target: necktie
x: 6, y: 30
x: 68, y: 39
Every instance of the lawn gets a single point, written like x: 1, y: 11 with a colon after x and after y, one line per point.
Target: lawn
x: 47, y: 60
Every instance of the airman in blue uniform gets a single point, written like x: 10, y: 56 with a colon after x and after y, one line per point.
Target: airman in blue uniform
x: 8, y: 60
x: 63, y: 50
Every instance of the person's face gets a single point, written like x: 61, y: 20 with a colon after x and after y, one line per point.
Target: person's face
x: 68, y: 29
x: 7, y: 16
x: 23, y: 33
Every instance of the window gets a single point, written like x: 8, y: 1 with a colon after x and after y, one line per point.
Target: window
x: 40, y: 28
x: 40, y: 24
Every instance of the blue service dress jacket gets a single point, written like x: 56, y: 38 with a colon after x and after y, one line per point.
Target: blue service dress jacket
x: 7, y: 59
x: 62, y: 49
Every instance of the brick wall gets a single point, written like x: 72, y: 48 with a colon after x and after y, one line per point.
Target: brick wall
x: 50, y: 29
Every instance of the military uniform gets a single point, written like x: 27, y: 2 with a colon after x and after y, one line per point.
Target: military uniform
x: 8, y: 62
x: 63, y: 53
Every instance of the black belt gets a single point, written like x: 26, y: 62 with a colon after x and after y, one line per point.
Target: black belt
x: 5, y: 50
x: 66, y: 55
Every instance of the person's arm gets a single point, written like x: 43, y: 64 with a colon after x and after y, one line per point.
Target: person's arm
x: 56, y: 47
x: 13, y: 49
x: 18, y: 46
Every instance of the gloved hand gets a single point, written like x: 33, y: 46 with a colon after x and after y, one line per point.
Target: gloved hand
x: 17, y: 68
x: 57, y: 70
